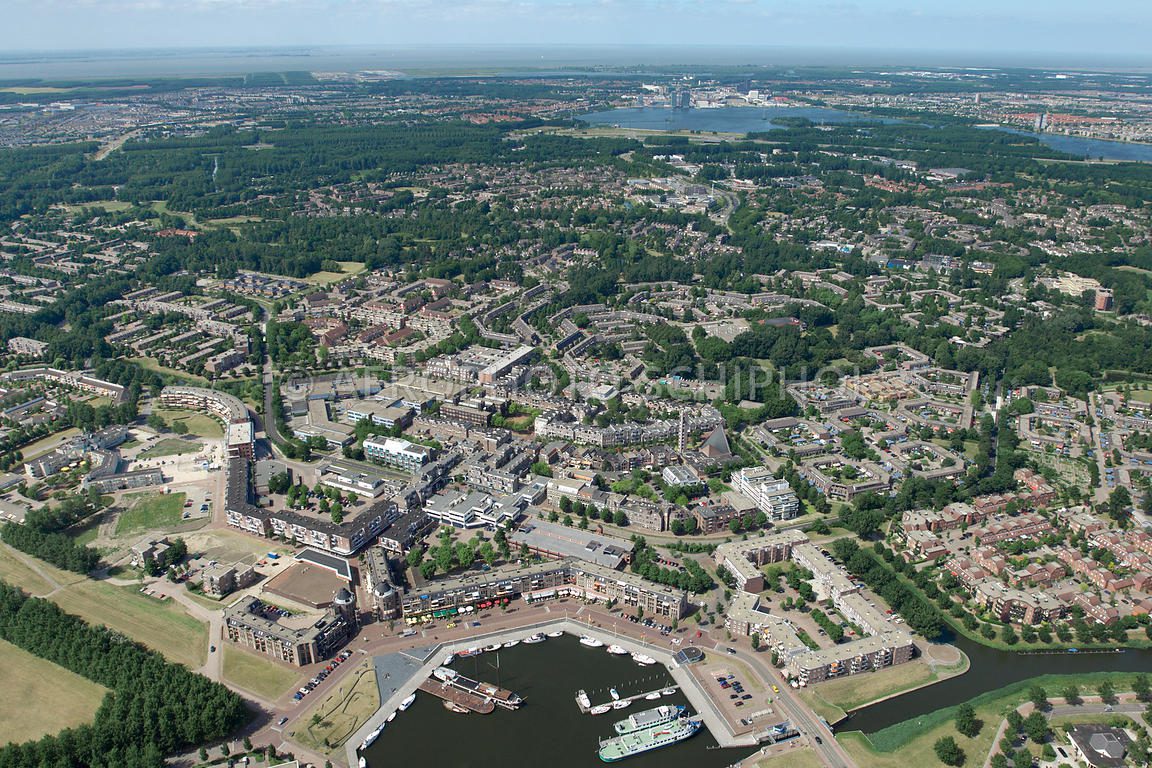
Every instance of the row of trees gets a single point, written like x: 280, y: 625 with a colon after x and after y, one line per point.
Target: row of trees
x: 42, y: 534
x: 920, y: 614
x: 691, y: 576
x: 155, y: 707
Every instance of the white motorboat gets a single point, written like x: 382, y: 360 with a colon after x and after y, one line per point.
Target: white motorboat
x: 617, y: 650
x: 582, y: 700
x: 390, y: 718
x: 615, y: 694
x: 555, y: 634
x: 668, y: 692
x: 643, y: 659
x: 591, y: 642
x: 623, y: 704
x: 407, y: 702
x: 653, y: 696
x: 363, y: 762
x: 511, y: 643
x: 601, y: 709
x: 493, y: 647
x: 448, y: 659
x: 536, y: 638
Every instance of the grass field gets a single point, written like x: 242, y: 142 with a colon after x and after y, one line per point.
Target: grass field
x: 150, y: 512
x: 197, y: 423
x: 833, y: 698
x: 348, y: 268
x: 262, y: 677
x: 162, y: 626
x: 1141, y: 395
x: 47, y: 698
x: 911, y: 742
x: 341, y: 712
x: 229, y: 546
x: 151, y: 365
x: 170, y: 446
x: 15, y: 572
x: 793, y: 758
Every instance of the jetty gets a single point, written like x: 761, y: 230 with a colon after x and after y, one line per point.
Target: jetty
x: 637, y: 697
x: 469, y: 701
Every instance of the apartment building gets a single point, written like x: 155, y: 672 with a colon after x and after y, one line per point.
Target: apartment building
x: 771, y: 496
x: 396, y: 452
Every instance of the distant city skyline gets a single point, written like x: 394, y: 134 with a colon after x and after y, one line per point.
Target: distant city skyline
x: 1057, y: 29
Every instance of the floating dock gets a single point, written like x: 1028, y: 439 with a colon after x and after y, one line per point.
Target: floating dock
x: 637, y: 697
x: 469, y: 701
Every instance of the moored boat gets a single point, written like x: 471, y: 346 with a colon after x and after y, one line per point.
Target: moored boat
x: 617, y: 650
x: 536, y: 638
x: 582, y: 699
x: 615, y: 694
x: 363, y: 762
x: 493, y: 647
x: 647, y: 739
x: 591, y: 642
x: 511, y: 643
x: 622, y: 704
x: 448, y: 659
x: 643, y: 659
x: 668, y: 692
x: 653, y: 696
x: 649, y: 718
x: 390, y: 718
x: 453, y: 707
x: 600, y: 709
x: 407, y: 702
x: 555, y: 634
x: 469, y: 652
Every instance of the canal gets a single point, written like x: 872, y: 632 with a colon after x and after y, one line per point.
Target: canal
x: 991, y: 669
x: 548, y: 731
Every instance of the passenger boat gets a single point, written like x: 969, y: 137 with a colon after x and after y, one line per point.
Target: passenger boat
x: 648, y: 739
x: 643, y: 659
x: 622, y: 704
x: 493, y: 647
x: 407, y: 703
x: 511, y: 643
x: 617, y: 650
x: 615, y: 694
x: 500, y: 696
x: 536, y: 638
x: 600, y: 709
x: 649, y: 718
x: 591, y: 642
x: 555, y: 634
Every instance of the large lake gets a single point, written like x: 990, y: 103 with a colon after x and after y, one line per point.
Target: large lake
x: 750, y: 119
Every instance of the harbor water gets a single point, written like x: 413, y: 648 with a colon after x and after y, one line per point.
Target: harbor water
x: 548, y: 731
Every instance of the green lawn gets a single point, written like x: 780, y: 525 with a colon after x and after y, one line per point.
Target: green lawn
x: 150, y: 512
x: 793, y: 758
x: 152, y: 365
x: 833, y: 698
x: 258, y: 674
x: 160, y: 625
x: 170, y: 446
x: 198, y: 423
x: 348, y: 269
x: 46, y: 444
x: 43, y: 698
x: 15, y: 572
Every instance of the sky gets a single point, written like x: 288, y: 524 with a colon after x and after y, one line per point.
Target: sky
x: 1053, y: 27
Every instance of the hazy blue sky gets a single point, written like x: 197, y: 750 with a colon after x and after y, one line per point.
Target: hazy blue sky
x: 1052, y: 26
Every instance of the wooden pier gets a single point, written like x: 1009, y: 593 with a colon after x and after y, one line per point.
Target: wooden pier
x: 472, y: 702
x: 637, y: 697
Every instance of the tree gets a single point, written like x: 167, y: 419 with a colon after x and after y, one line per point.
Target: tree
x: 949, y: 751
x: 247, y: 744
x: 203, y: 754
x: 1141, y: 688
x: 1022, y: 759
x: 620, y: 518
x: 1036, y: 726
x: 1071, y: 694
x: 966, y: 721
x: 1107, y: 692
x: 428, y: 569
x: 180, y: 427
x: 1039, y: 697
